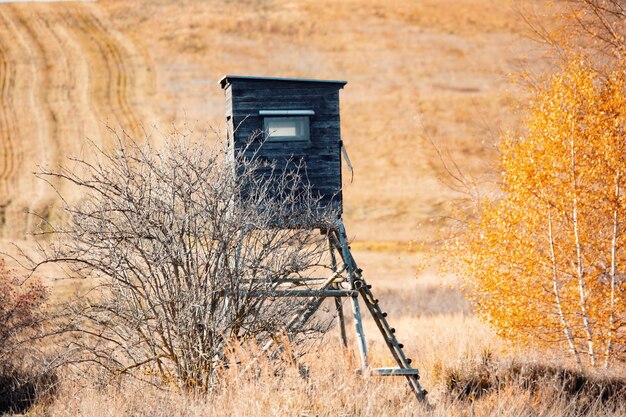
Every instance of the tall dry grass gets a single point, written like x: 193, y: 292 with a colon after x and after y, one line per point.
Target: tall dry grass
x: 453, y: 352
x: 466, y: 368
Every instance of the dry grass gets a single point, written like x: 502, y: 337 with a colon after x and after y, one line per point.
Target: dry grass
x: 324, y: 384
x: 466, y: 368
x: 419, y: 72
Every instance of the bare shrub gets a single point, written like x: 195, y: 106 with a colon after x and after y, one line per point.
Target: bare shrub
x: 180, y: 248
x: 21, y: 309
x: 24, y: 378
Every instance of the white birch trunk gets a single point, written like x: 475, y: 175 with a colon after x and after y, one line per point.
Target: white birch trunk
x: 609, y: 342
x: 580, y: 273
x: 557, y: 296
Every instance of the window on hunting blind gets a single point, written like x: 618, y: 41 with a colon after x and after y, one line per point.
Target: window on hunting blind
x: 287, y: 128
x: 286, y: 125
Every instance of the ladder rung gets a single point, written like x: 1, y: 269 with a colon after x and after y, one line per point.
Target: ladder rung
x: 389, y: 371
x: 393, y: 371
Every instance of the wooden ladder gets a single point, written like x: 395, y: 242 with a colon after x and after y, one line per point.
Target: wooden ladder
x: 350, y: 275
x: 338, y: 242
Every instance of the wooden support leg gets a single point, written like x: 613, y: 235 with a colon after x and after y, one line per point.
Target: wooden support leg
x: 338, y: 242
x: 338, y: 304
x: 360, y: 335
x: 342, y: 323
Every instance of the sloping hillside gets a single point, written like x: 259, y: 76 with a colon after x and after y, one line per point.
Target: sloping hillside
x: 418, y: 72
x: 65, y: 73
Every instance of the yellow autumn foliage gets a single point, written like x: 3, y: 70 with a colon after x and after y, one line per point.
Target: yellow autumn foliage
x: 545, y: 260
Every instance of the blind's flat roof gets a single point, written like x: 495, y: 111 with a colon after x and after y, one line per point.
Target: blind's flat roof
x: 228, y: 78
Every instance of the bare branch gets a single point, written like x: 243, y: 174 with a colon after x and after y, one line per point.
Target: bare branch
x: 175, y: 238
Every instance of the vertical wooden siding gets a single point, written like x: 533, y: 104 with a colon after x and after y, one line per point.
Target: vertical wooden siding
x: 320, y: 155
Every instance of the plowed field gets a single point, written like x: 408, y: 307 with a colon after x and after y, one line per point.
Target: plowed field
x: 65, y: 73
x: 418, y: 72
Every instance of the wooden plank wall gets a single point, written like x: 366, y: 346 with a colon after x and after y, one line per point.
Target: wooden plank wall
x: 321, y: 154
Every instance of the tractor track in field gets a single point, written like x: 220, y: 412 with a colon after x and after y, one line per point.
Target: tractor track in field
x: 15, y: 78
x: 65, y: 75
x: 7, y: 118
x: 42, y: 45
x: 114, y: 87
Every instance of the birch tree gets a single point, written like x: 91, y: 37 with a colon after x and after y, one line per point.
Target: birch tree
x: 545, y: 260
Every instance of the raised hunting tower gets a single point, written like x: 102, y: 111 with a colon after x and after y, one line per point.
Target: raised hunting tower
x: 289, y: 121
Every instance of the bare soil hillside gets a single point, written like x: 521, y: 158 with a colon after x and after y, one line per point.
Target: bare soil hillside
x: 419, y: 72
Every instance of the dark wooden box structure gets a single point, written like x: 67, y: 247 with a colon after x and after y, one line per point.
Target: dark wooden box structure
x: 291, y: 121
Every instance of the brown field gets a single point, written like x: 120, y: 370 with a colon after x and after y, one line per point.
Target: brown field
x: 421, y: 74
x: 418, y: 72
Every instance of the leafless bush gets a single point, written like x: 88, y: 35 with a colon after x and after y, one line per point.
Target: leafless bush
x: 24, y: 377
x: 21, y: 310
x: 180, y: 248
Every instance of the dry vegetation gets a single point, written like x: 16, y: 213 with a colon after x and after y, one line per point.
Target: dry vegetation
x: 418, y: 71
x: 459, y: 356
x: 466, y: 367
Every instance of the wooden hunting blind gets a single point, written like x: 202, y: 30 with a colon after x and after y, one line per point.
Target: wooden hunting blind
x: 289, y: 122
